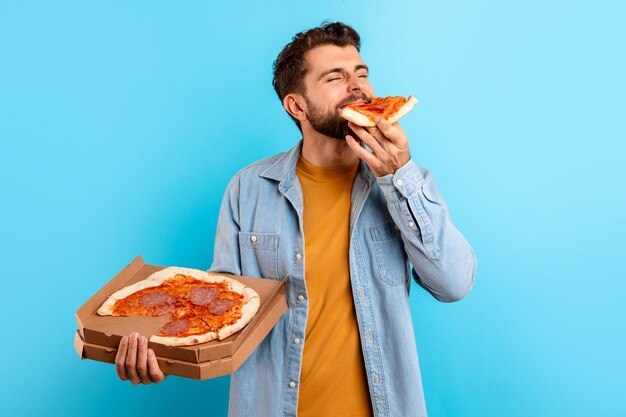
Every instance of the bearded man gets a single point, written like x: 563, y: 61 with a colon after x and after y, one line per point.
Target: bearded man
x: 349, y: 225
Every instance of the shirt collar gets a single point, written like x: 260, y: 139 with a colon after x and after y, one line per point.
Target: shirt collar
x: 283, y: 169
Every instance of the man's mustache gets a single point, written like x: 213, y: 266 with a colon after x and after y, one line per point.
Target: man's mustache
x: 355, y: 97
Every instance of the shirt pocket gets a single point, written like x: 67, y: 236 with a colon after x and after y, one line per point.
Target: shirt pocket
x: 391, y: 261
x: 259, y: 254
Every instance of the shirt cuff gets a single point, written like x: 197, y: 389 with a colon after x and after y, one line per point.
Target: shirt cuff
x: 408, y: 178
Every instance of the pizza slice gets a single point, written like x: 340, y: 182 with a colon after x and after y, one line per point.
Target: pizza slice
x: 203, y: 306
x: 390, y: 108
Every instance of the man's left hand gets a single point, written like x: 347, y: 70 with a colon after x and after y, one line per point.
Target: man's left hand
x: 388, y: 142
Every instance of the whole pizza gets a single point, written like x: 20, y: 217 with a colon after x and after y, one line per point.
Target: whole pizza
x: 203, y: 306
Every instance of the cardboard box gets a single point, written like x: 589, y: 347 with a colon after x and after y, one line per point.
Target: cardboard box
x: 99, y: 336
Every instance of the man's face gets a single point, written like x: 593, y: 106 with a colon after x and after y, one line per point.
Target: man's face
x: 336, y: 77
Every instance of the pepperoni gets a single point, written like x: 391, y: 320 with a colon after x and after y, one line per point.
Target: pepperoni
x: 175, y: 327
x: 202, y: 296
x: 219, y: 307
x: 156, y: 298
x: 162, y: 309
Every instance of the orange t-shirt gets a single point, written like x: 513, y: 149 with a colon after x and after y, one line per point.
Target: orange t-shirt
x: 333, y: 381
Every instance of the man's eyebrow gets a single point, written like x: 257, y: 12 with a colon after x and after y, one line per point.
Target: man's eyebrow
x: 358, y: 67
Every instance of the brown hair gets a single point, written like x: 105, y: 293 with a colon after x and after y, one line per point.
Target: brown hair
x: 290, y: 68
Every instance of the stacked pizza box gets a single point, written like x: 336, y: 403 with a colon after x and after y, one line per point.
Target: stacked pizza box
x: 98, y: 336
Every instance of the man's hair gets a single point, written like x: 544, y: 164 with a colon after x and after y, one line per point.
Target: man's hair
x: 290, y: 66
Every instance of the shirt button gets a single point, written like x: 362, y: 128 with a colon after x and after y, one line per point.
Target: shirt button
x: 301, y: 297
x: 292, y: 384
x: 399, y: 182
x: 296, y: 341
x: 253, y: 238
x: 411, y: 224
x: 298, y: 256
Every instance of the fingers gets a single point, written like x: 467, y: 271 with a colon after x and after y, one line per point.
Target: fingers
x: 120, y: 359
x: 376, y: 133
x: 135, y: 362
x: 369, y: 158
x: 393, y: 132
x: 387, y: 155
x: 131, y: 359
x: 142, y: 360
x: 367, y: 136
x: 384, y: 137
x: 153, y: 368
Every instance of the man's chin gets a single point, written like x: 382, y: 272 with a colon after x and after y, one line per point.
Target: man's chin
x: 335, y: 127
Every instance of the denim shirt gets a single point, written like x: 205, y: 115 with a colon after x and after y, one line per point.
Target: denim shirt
x: 396, y: 221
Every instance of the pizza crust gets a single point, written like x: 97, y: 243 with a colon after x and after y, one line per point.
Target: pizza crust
x: 251, y: 303
x: 248, y: 311
x: 184, y: 341
x: 402, y: 111
x: 364, y: 121
x: 357, y: 118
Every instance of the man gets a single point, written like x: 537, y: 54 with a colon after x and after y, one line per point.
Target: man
x: 345, y: 223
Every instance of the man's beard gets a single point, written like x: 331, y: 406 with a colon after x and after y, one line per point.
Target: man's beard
x: 332, y: 124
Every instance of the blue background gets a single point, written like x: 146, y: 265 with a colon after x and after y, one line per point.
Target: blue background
x: 122, y: 121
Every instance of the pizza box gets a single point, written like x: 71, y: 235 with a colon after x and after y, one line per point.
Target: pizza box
x: 107, y: 331
x: 204, y: 370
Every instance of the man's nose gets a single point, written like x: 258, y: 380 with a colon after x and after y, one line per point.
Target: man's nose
x: 355, y: 84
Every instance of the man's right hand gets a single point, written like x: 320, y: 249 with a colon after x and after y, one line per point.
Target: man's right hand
x: 136, y: 362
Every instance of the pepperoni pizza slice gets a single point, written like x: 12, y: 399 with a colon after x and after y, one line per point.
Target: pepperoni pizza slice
x: 389, y: 108
x: 203, y: 306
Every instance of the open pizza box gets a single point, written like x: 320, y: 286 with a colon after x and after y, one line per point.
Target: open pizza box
x: 98, y: 336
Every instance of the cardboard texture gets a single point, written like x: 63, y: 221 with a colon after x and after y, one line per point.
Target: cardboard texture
x: 98, y: 336
x: 206, y: 370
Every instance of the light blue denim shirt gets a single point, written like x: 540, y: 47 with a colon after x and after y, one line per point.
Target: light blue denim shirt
x: 396, y: 221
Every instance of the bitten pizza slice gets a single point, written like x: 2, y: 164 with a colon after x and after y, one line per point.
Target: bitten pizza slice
x: 390, y: 108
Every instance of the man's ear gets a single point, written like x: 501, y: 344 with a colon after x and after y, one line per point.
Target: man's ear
x: 296, y: 106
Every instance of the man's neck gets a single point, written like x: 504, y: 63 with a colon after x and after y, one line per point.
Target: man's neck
x: 323, y: 151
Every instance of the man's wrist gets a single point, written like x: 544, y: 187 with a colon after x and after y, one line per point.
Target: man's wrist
x: 405, y: 180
